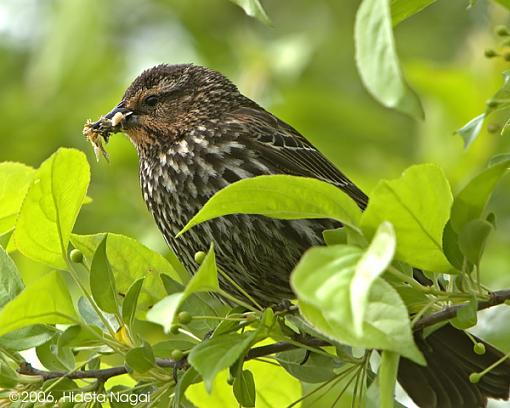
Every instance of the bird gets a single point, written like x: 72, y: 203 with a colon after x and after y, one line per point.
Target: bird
x: 195, y: 133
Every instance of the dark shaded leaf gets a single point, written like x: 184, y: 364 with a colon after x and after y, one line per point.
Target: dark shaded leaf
x: 141, y: 359
x: 27, y: 337
x: 472, y: 239
x: 10, y: 282
x: 217, y: 353
x: 470, y: 202
x: 244, y: 389
x: 316, y: 369
x: 130, y: 302
x: 102, y: 281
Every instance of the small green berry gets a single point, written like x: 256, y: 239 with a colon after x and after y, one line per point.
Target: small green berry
x: 479, y: 348
x: 174, y: 328
x: 76, y: 256
x: 177, y: 355
x: 502, y: 31
x: 184, y: 317
x: 474, y: 378
x: 199, y: 257
x: 230, y: 380
x: 491, y: 103
x: 490, y: 53
x: 493, y: 128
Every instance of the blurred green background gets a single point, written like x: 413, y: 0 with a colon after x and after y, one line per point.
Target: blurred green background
x: 64, y: 61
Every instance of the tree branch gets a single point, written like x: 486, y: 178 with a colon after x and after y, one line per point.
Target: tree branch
x: 495, y: 298
x: 102, y: 375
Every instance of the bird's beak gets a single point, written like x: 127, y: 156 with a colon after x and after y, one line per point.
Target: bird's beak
x: 117, y: 120
x: 120, y: 116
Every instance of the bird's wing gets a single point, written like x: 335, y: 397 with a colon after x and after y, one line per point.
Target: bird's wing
x: 284, y: 150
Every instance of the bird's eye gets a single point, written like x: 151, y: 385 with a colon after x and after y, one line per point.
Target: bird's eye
x: 151, y: 100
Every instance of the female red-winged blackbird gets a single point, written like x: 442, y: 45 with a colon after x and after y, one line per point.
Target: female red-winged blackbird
x: 195, y: 134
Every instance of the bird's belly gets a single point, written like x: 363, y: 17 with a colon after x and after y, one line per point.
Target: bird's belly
x: 257, y: 252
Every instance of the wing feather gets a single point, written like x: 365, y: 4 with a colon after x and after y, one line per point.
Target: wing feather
x: 283, y: 149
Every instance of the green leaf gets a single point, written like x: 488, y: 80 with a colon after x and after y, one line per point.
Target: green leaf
x: 322, y: 282
x: 280, y: 196
x: 414, y: 299
x: 472, y: 239
x: 314, y: 368
x: 217, y: 353
x: 418, y: 205
x: 467, y: 316
x: 204, y: 280
x: 10, y: 282
x: 403, y: 9
x: 470, y: 130
x: 377, y: 59
x: 141, y: 359
x: 15, y: 178
x: 470, y: 203
x: 171, y: 285
x: 371, y: 265
x: 89, y: 315
x: 254, y: 9
x: 163, y: 312
x: 275, y: 388
x: 27, y: 337
x: 498, y: 158
x: 189, y: 377
x: 164, y: 348
x: 129, y: 261
x: 102, y: 281
x: 55, y: 357
x: 388, y: 378
x: 8, y: 377
x: 130, y: 301
x: 81, y: 336
x: 501, y: 98
x: 244, y: 389
x: 50, y: 208
x: 45, y: 301
x: 337, y: 236
x: 451, y: 246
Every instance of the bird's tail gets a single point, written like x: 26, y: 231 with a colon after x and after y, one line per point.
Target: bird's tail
x: 444, y: 382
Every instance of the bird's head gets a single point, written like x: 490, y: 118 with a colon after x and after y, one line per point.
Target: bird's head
x: 165, y: 101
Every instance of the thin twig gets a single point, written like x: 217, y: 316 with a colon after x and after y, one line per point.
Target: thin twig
x: 101, y: 375
x: 495, y: 298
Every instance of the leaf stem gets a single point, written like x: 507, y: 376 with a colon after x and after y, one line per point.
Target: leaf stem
x: 425, y: 289
x: 494, y: 365
x: 233, y: 299
x: 240, y: 289
x: 88, y: 296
